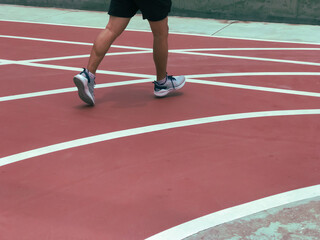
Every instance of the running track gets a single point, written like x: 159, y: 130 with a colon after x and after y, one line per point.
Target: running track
x: 245, y: 127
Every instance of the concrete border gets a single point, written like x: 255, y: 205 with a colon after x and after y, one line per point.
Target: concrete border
x: 285, y: 11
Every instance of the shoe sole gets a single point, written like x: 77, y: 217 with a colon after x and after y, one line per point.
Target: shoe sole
x: 163, y: 93
x: 83, y: 91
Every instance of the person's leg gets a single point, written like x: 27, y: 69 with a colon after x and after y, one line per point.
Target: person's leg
x: 160, y: 31
x: 114, y: 28
x: 164, y: 83
x: 85, y: 80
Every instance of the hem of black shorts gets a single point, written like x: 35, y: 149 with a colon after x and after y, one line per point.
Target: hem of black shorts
x: 156, y: 19
x: 114, y: 15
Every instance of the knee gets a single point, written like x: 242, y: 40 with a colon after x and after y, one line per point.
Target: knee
x: 160, y: 29
x: 163, y: 35
x: 112, y: 32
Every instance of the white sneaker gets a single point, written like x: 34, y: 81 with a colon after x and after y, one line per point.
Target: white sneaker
x: 171, y: 84
x: 85, y: 86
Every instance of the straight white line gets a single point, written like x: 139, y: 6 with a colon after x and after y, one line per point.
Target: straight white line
x: 51, y: 24
x: 230, y: 214
x: 56, y: 58
x: 69, y: 42
x: 190, y: 79
x: 255, y: 88
x: 211, y: 75
x: 46, y: 40
x: 66, y: 90
x: 148, y: 129
x: 264, y: 40
x: 250, y: 58
x: 8, y: 62
x: 5, y: 61
x: 86, y: 56
x: 140, y: 48
x: 37, y: 94
x: 245, y: 49
x: 41, y: 65
x: 173, y: 51
x: 177, y: 33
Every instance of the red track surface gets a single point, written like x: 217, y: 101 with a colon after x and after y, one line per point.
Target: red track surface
x: 134, y: 187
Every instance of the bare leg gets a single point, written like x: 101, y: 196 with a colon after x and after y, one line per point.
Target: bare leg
x: 160, y: 31
x: 114, y: 28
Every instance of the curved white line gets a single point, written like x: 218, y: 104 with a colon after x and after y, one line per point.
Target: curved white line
x: 230, y: 214
x: 148, y: 129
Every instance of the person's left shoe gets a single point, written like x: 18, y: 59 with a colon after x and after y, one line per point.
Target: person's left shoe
x: 85, y: 85
x: 171, y: 84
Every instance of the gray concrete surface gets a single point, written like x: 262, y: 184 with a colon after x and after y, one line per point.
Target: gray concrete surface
x: 297, y: 221
x: 288, y: 11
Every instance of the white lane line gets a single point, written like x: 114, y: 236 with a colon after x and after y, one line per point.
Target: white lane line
x: 72, y: 57
x: 45, y: 40
x: 76, y: 69
x: 57, y: 58
x: 255, y: 88
x: 230, y: 214
x: 250, y: 58
x: 148, y: 129
x: 50, y: 24
x: 66, y: 90
x: 177, y: 33
x: 245, y: 49
x: 85, y: 56
x: 190, y: 78
x: 5, y: 62
x: 68, y: 42
x: 191, y: 52
x: 8, y: 62
x: 173, y: 50
x: 244, y: 74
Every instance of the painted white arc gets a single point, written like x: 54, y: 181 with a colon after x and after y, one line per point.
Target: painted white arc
x: 227, y: 215
x: 148, y: 129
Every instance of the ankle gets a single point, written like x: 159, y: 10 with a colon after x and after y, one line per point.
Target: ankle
x: 91, y: 74
x: 90, y: 70
x: 163, y: 80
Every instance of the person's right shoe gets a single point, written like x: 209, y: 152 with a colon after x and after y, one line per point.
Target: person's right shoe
x: 171, y: 84
x: 85, y: 85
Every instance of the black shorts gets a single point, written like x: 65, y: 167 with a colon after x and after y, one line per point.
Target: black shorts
x: 153, y: 10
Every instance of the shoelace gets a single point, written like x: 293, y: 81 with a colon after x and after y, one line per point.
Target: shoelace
x: 171, y: 78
